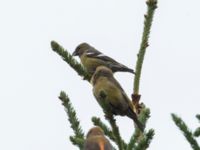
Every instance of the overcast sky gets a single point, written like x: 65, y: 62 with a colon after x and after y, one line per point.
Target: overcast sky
x: 32, y: 75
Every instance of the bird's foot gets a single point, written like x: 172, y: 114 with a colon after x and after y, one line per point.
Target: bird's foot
x: 136, y: 103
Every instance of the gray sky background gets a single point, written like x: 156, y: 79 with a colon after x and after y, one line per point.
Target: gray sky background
x: 32, y: 75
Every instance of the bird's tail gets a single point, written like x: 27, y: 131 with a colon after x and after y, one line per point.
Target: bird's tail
x: 133, y: 116
x: 139, y: 124
x: 127, y: 70
x: 122, y: 68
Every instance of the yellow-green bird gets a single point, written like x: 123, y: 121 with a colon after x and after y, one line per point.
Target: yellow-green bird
x: 96, y: 140
x: 92, y: 58
x: 108, y: 91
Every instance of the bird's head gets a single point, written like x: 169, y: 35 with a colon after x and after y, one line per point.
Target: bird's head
x: 101, y: 71
x: 80, y: 49
x: 95, y: 131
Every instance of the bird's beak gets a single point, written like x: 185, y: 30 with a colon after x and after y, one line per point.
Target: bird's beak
x: 74, y: 53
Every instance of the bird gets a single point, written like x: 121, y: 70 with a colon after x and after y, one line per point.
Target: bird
x: 96, y: 140
x: 108, y: 92
x: 92, y: 58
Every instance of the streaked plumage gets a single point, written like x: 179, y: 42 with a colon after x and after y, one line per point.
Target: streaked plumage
x: 96, y: 140
x: 92, y: 58
x: 114, y: 96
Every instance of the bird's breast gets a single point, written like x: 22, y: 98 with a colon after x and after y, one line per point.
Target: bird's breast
x: 113, y: 94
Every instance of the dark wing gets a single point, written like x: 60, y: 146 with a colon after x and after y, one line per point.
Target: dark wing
x: 111, y: 63
x: 92, y: 52
x: 90, y: 145
x: 121, y: 106
x: 108, y: 146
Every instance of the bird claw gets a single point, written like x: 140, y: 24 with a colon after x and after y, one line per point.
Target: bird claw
x: 135, y: 100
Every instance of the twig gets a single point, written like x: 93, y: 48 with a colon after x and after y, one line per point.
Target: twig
x: 152, y: 5
x: 187, y: 133
x: 67, y: 57
x: 144, y: 143
x: 106, y: 129
x: 75, y: 124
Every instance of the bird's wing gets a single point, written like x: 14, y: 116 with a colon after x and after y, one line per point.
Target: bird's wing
x: 111, y: 63
x: 108, y: 146
x: 125, y: 97
x: 116, y: 83
x: 91, y: 145
x: 93, y: 53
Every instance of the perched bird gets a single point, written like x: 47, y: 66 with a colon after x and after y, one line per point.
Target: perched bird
x: 96, y: 140
x: 92, y: 58
x: 108, y: 92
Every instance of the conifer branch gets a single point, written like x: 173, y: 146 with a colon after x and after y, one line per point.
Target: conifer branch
x: 109, y: 116
x: 187, y: 133
x: 133, y: 140
x: 77, y: 141
x: 143, y: 117
x: 144, y: 143
x: 97, y: 122
x: 138, y: 138
x: 75, y: 124
x: 152, y: 5
x: 121, y: 145
x: 107, y: 131
x: 67, y: 57
x: 197, y: 132
x: 198, y: 117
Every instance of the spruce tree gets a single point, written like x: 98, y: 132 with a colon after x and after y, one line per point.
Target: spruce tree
x: 139, y: 140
